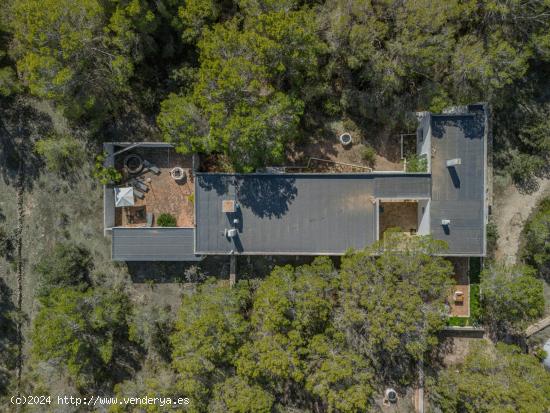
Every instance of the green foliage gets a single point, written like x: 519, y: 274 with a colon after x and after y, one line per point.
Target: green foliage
x: 8, y: 81
x: 8, y: 339
x: 6, y: 244
x: 492, y: 237
x: 63, y: 154
x: 235, y: 395
x: 105, y: 174
x: 195, y: 15
x: 312, y: 335
x: 209, y: 331
x: 340, y: 377
x: 498, y: 379
x: 410, y: 287
x: 536, y: 239
x: 166, y: 220
x: 239, y: 105
x: 417, y: 163
x: 68, y: 265
x: 512, y: 297
x: 83, y: 333
x: 368, y: 155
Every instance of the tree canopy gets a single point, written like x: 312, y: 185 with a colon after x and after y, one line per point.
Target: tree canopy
x: 536, y: 250
x: 85, y: 334
x: 68, y: 265
x: 512, y: 297
x: 312, y: 335
x: 493, y: 379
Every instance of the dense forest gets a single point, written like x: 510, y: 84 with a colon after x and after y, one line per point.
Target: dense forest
x: 245, y: 79
x: 245, y: 82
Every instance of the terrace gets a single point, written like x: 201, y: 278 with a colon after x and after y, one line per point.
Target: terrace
x: 155, y: 190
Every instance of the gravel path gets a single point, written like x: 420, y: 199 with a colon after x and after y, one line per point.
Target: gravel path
x: 511, y: 210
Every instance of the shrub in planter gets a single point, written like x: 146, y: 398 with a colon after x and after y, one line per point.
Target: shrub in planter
x: 166, y: 220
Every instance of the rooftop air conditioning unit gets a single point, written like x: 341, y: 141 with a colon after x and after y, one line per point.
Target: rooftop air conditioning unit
x: 445, y: 222
x: 454, y: 162
x: 231, y: 233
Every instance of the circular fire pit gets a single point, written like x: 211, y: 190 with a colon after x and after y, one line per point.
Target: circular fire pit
x: 133, y: 163
x: 346, y: 139
x: 177, y: 173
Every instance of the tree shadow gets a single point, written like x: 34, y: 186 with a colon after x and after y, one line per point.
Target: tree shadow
x: 472, y: 126
x: 21, y: 126
x: 267, y: 196
x: 174, y: 271
x: 218, y: 182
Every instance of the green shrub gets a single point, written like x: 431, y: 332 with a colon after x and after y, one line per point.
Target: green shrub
x: 105, y: 175
x: 512, y: 298
x: 492, y: 238
x: 62, y: 154
x: 417, y: 164
x: 458, y: 321
x: 68, y: 265
x: 166, y: 220
x: 368, y: 154
x: 536, y: 245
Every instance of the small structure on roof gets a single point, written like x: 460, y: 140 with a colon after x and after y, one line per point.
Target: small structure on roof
x: 229, y: 206
x: 124, y: 197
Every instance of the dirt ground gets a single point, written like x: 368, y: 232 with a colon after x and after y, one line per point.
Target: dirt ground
x: 326, y: 145
x: 458, y: 348
x: 510, y: 212
x: 403, y: 215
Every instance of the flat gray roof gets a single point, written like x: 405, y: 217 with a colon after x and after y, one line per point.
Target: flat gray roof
x: 296, y: 213
x: 153, y: 244
x: 458, y: 193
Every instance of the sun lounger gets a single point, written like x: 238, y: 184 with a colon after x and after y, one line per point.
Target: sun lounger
x: 138, y: 193
x: 140, y: 185
x: 151, y: 167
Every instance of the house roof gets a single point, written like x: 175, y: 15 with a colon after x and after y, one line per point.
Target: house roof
x: 296, y: 214
x: 458, y: 192
x: 329, y: 213
x: 153, y: 244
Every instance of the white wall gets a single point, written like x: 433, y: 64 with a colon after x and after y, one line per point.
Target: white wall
x: 424, y: 139
x: 423, y: 217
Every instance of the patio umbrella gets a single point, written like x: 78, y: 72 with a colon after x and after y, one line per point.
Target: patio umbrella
x: 124, y: 197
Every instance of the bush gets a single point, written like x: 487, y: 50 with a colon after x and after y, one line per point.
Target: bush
x: 512, y: 297
x: 62, y: 154
x: 68, y: 265
x: 368, y: 154
x: 166, y: 220
x: 105, y: 175
x: 536, y: 248
x: 417, y: 164
x: 194, y: 274
x: 492, y: 238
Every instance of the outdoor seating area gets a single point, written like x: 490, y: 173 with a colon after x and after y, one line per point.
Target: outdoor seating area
x: 459, y: 301
x: 155, y: 181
